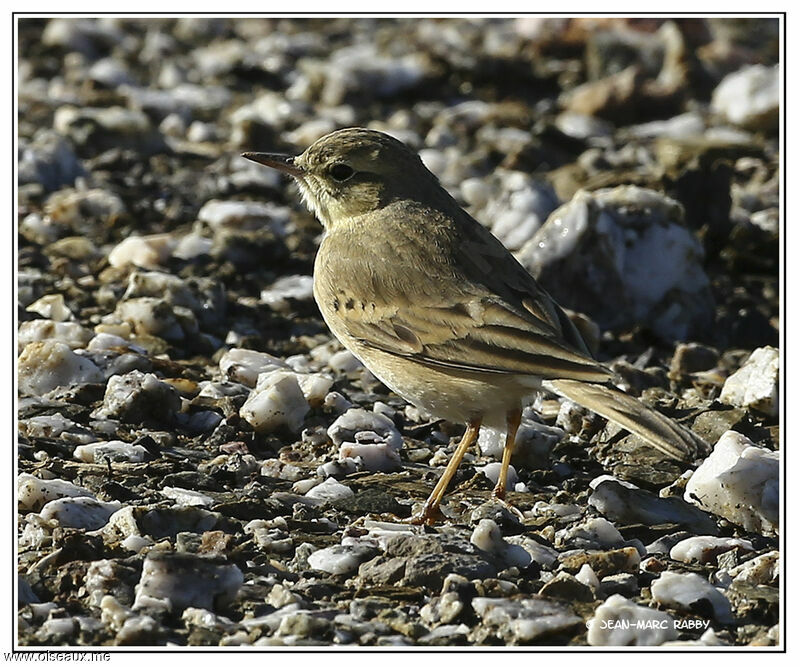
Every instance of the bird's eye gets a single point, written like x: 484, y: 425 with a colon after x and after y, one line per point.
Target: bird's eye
x: 341, y: 172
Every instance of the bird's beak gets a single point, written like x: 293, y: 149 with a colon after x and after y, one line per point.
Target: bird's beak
x: 284, y: 163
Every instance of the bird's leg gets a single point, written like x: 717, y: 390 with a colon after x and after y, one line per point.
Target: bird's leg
x: 430, y: 510
x: 513, y: 418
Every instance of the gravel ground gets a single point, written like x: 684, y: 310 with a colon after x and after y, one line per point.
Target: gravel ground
x: 201, y: 463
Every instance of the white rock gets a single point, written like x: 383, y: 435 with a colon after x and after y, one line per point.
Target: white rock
x: 347, y: 427
x: 645, y: 265
x: 223, y: 389
x: 681, y: 591
x: 526, y: 619
x: 315, y: 387
x: 763, y: 569
x: 187, y: 496
x: 151, y: 316
x: 46, y: 426
x: 344, y: 362
x: 341, y: 559
x: 148, y: 252
x: 336, y: 402
x: 739, y: 482
x: 749, y: 97
x: 175, y: 581
x: 277, y: 295
x: 135, y: 543
x: 45, y: 365
x: 113, y: 450
x: 492, y: 472
x: 69, y: 333
x: 377, y: 457
x: 587, y: 576
x: 244, y: 215
x: 68, y: 207
x: 276, y: 401
x: 594, y: 533
x: 705, y: 549
x: 708, y: 638
x: 106, y: 341
x: 33, y: 493
x: 519, y: 209
x: 755, y: 384
x: 533, y: 441
x: 51, y: 307
x: 620, y: 622
x: 192, y: 245
x: 245, y: 366
x: 487, y: 537
x: 330, y: 491
x: 79, y: 512
x: 581, y: 126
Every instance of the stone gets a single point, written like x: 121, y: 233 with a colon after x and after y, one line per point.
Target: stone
x: 755, y: 384
x: 739, y: 482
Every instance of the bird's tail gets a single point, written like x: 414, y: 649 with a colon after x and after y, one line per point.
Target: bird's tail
x: 659, y: 431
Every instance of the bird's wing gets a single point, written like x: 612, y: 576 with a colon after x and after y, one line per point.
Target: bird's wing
x: 477, y: 310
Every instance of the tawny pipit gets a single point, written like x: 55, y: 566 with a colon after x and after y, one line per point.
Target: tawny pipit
x: 437, y: 308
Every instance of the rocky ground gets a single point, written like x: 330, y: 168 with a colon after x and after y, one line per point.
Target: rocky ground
x: 200, y: 463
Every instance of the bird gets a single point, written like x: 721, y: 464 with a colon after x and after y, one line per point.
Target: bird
x: 438, y: 309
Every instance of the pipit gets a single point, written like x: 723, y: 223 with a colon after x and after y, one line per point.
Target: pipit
x: 438, y: 309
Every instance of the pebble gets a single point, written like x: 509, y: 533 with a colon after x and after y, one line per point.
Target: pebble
x: 154, y: 317
x: 739, y: 482
x: 69, y: 333
x: 759, y: 571
x: 46, y: 365
x: 356, y: 420
x: 587, y: 577
x: 283, y: 291
x: 533, y: 441
x: 115, y: 451
x: 749, y: 97
x: 488, y: 537
x: 593, y: 533
x: 341, y: 559
x: 175, y: 581
x: 375, y: 457
x: 705, y: 549
x: 147, y: 252
x: 49, y: 160
x: 685, y: 591
x: 492, y: 472
x: 525, y: 620
x: 621, y: 622
x: 755, y: 384
x: 277, y: 401
x: 136, y: 397
x: 51, y: 307
x: 187, y: 497
x: 33, y: 493
x: 247, y: 215
x: 625, y: 502
x: 330, y: 491
x: 245, y: 366
x: 79, y: 512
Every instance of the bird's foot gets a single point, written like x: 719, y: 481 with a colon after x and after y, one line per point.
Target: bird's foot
x: 501, y: 499
x: 427, y: 516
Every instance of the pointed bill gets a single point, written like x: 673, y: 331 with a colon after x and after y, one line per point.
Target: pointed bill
x: 284, y: 163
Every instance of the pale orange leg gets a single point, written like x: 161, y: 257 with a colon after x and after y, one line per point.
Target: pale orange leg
x: 430, y: 510
x: 513, y: 419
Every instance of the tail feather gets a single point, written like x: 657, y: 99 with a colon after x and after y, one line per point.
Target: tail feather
x: 659, y: 431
